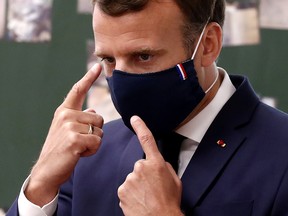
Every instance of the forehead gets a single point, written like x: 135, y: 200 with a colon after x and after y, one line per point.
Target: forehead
x: 154, y: 24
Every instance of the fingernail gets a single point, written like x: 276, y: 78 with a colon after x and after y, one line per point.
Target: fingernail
x: 134, y: 119
x: 95, y: 67
x: 90, y: 110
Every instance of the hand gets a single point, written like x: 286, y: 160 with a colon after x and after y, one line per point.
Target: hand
x: 66, y: 142
x: 153, y: 188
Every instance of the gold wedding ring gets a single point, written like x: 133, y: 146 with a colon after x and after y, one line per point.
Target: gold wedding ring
x: 91, y: 129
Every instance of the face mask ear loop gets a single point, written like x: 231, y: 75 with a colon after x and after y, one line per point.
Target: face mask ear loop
x: 196, y: 48
x: 200, y: 38
x: 211, y: 86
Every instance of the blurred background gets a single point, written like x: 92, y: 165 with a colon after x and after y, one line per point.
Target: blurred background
x: 46, y: 46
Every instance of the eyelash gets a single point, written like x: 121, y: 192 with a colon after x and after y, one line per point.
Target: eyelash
x: 149, y: 56
x: 107, y: 59
x: 137, y: 57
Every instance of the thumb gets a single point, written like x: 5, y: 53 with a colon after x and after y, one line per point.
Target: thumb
x: 146, y: 138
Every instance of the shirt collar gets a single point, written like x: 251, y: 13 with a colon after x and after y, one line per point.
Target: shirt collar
x: 196, y: 128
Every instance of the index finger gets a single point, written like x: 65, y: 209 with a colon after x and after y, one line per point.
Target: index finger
x: 146, y: 138
x: 77, y: 94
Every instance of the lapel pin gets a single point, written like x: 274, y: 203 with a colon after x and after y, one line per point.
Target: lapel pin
x: 221, y: 143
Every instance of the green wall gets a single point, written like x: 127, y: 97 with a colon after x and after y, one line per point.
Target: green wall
x: 36, y: 77
x: 34, y: 80
x: 265, y: 64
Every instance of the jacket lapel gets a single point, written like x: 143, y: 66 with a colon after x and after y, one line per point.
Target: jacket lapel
x: 211, y: 158
x: 132, y: 153
x: 206, y: 164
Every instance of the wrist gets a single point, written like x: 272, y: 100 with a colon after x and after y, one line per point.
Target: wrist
x: 175, y: 212
x: 40, y: 193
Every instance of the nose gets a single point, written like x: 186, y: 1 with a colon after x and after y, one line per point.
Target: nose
x: 123, y: 66
x: 117, y: 65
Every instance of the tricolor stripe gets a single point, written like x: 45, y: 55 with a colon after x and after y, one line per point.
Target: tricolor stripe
x: 182, y: 72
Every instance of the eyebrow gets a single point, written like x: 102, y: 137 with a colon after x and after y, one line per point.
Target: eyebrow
x: 97, y: 54
x: 145, y: 50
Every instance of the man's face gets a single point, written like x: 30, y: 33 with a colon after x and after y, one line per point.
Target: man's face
x: 146, y: 41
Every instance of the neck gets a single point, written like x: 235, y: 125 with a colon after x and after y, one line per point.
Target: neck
x: 214, y: 82
x: 210, y: 94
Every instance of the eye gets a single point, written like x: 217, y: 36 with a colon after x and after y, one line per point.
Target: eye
x: 108, y: 60
x: 145, y: 57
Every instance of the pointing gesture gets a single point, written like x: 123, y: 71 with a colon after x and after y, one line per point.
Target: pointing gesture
x: 153, y: 188
x: 77, y: 94
x: 146, y: 139
x: 73, y: 134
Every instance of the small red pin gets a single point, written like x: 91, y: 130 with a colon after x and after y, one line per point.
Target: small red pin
x: 221, y: 143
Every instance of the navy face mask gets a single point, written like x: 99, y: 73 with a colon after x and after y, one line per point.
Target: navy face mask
x: 162, y: 99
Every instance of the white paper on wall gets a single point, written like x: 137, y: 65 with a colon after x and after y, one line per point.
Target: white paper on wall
x: 84, y: 6
x: 273, y: 14
x: 241, y: 26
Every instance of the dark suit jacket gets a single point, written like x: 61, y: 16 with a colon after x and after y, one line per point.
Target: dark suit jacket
x: 247, y: 177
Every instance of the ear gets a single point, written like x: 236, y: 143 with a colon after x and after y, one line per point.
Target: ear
x: 212, y: 44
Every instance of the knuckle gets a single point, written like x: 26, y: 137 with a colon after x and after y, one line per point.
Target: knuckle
x: 100, y: 120
x: 100, y: 133
x: 76, y: 88
x: 57, y: 111
x: 129, y: 177
x: 91, y: 144
x: 97, y: 142
x: 68, y: 126
x: 145, y: 138
x: 95, y: 119
x: 160, y: 167
x: 124, y: 188
x: 73, y: 139
x: 139, y: 166
x: 62, y: 114
x: 121, y: 191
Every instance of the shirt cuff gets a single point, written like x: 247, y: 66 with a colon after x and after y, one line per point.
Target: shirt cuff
x: 25, y: 207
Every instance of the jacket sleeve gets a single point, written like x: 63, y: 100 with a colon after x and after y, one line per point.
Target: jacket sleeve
x: 13, y: 210
x: 280, y: 207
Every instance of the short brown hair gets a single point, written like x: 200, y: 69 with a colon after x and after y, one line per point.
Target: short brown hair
x: 196, y: 12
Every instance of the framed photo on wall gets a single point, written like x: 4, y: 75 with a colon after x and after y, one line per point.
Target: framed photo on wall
x: 2, y: 18
x: 29, y: 20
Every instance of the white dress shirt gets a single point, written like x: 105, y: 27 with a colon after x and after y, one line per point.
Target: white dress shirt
x: 194, y: 130
x: 26, y: 208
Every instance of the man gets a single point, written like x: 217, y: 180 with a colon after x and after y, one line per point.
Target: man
x: 232, y: 160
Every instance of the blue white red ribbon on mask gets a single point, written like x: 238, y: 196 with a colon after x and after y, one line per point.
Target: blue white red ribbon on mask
x: 182, y: 72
